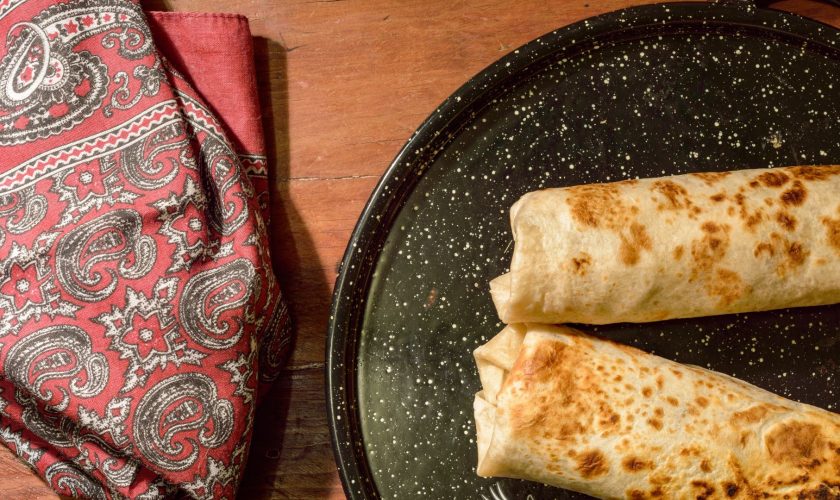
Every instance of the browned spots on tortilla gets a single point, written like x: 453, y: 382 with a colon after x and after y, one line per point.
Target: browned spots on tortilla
x: 796, y: 253
x: 632, y: 245
x: 786, y: 220
x: 753, y: 414
x: 814, y: 173
x: 764, y: 248
x: 565, y: 375
x: 672, y: 401
x: 676, y: 196
x: 750, y: 218
x: 717, y: 198
x: 832, y: 231
x: 769, y: 202
x: 731, y: 489
x: 677, y: 373
x: 740, y: 200
x: 741, y: 481
x: 794, y: 442
x: 690, y: 451
x: 542, y: 364
x: 702, y: 402
x: 773, y: 179
x: 635, y: 464
x: 655, y: 423
x: 710, y: 227
x: 592, y: 464
x: 708, y: 489
x: 595, y: 205
x: 726, y: 285
x: 581, y: 263
x: 609, y: 420
x: 794, y: 196
x: 647, y: 392
x: 707, y: 251
x: 710, y: 178
x: 636, y: 495
x: 524, y: 420
x: 800, y: 479
x: 678, y: 252
x: 545, y: 367
x: 705, y: 466
x: 659, y: 412
x: 754, y: 219
x: 660, y: 382
x: 792, y: 254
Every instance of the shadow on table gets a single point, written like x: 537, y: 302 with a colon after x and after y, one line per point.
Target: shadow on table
x: 297, y: 397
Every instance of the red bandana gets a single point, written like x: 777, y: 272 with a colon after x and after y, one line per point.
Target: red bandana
x: 138, y: 310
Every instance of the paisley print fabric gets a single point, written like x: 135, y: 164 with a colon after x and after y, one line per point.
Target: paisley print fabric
x: 139, y: 315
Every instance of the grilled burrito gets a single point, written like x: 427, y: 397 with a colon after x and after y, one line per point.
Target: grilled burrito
x: 674, y: 247
x: 590, y: 415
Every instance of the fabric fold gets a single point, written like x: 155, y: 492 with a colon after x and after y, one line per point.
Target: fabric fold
x: 139, y: 313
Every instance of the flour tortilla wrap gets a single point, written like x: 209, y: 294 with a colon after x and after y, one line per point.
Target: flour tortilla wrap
x: 674, y: 247
x: 574, y: 411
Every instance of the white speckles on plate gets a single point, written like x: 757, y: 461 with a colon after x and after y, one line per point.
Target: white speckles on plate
x: 638, y: 100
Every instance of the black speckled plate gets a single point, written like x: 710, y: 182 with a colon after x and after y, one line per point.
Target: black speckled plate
x: 642, y: 92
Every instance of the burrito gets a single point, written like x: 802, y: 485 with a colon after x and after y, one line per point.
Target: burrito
x: 578, y: 412
x: 674, y: 247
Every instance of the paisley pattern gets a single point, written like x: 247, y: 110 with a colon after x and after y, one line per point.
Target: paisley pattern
x: 139, y: 315
x: 91, y: 186
x: 61, y: 353
x: 210, y: 303
x: 87, y: 254
x: 145, y: 333
x: 226, y: 213
x: 22, y: 210
x: 274, y: 352
x: 155, y: 162
x: 183, y: 227
x: 68, y: 479
x: 95, y: 452
x: 27, y: 287
x: 177, y: 415
x: 42, y: 71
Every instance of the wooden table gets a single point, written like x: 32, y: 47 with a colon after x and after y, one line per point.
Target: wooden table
x: 344, y: 84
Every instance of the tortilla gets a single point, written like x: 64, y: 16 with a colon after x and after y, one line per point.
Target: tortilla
x: 674, y: 247
x: 590, y: 415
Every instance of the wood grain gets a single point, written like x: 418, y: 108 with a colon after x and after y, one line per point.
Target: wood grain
x: 344, y: 83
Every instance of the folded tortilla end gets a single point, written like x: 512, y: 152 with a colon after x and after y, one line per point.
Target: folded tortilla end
x: 494, y: 360
x: 500, y: 293
x: 485, y: 417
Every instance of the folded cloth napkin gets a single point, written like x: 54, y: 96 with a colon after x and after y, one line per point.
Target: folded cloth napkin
x: 139, y: 315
